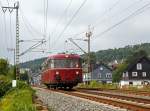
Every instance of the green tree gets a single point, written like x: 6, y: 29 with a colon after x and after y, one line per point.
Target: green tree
x: 136, y: 55
x: 92, y: 57
x: 117, y: 74
x: 4, y: 67
x: 11, y: 73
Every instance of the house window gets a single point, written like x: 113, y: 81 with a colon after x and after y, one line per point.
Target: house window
x: 99, y: 75
x: 108, y: 75
x: 134, y: 74
x: 139, y: 66
x: 144, y: 74
x: 101, y: 68
x: 125, y: 74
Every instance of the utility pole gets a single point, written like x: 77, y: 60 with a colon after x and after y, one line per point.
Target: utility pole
x: 15, y: 7
x: 88, y: 35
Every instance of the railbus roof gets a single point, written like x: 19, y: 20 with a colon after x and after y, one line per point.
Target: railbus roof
x: 63, y: 56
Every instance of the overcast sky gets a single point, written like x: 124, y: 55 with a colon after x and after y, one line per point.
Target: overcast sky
x: 99, y: 14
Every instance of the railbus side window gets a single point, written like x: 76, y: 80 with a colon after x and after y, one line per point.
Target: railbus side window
x: 49, y: 63
x: 52, y: 64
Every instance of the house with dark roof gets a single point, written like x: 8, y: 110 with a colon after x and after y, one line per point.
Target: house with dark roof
x: 137, y: 73
x: 101, y: 73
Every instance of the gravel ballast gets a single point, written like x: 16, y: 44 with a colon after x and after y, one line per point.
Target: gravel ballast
x: 63, y: 102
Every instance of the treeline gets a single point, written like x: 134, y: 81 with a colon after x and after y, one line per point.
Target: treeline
x: 121, y: 53
x: 104, y: 56
x: 33, y: 64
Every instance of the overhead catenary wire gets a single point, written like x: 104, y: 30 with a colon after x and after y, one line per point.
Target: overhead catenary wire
x: 11, y: 35
x: 46, y: 13
x: 61, y: 17
x: 107, y: 11
x: 58, y: 22
x: 29, y: 25
x: 70, y: 21
x: 135, y: 13
x: 45, y: 6
x: 118, y: 13
x: 5, y: 30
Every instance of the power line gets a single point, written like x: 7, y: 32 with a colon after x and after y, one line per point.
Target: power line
x: 108, y: 10
x: 58, y: 21
x: 60, y: 18
x: 127, y: 8
x: 123, y: 20
x: 46, y: 13
x: 70, y: 21
x: 27, y: 27
x: 5, y: 29
x: 11, y: 35
x: 26, y: 21
x: 45, y: 3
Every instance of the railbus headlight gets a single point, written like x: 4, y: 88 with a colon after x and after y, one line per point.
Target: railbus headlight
x: 77, y: 72
x: 57, y: 73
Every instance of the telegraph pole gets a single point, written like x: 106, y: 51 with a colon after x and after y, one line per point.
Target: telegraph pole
x: 15, y: 7
x: 88, y: 35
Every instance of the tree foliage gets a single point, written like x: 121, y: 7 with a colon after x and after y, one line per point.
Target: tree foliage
x: 136, y: 55
x: 4, y: 66
x: 117, y: 74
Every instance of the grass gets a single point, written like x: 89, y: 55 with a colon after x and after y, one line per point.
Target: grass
x: 18, y: 100
x: 95, y: 84
x: 98, y: 85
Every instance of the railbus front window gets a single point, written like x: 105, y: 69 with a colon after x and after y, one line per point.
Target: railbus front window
x: 65, y: 63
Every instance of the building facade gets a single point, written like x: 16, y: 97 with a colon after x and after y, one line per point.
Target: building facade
x: 137, y: 73
x: 101, y: 73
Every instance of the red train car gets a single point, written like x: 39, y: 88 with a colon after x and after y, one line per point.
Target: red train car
x: 62, y: 70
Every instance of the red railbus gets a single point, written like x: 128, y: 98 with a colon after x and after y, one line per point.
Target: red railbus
x: 62, y: 70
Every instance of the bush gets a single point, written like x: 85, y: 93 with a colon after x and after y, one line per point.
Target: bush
x: 5, y: 85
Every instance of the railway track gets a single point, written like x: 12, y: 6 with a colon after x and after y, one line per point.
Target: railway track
x: 143, y: 93
x: 134, y: 98
x: 133, y: 104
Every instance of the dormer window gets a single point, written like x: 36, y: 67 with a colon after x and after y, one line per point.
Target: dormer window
x: 101, y: 68
x: 139, y: 66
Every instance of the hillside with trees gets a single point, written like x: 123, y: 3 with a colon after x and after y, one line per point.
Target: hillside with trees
x: 105, y: 56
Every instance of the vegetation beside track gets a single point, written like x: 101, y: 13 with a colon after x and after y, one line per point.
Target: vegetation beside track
x: 94, y: 84
x: 98, y: 85
x: 16, y: 99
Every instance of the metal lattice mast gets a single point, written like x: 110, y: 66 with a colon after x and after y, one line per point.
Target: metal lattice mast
x: 16, y: 7
x: 17, y: 42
